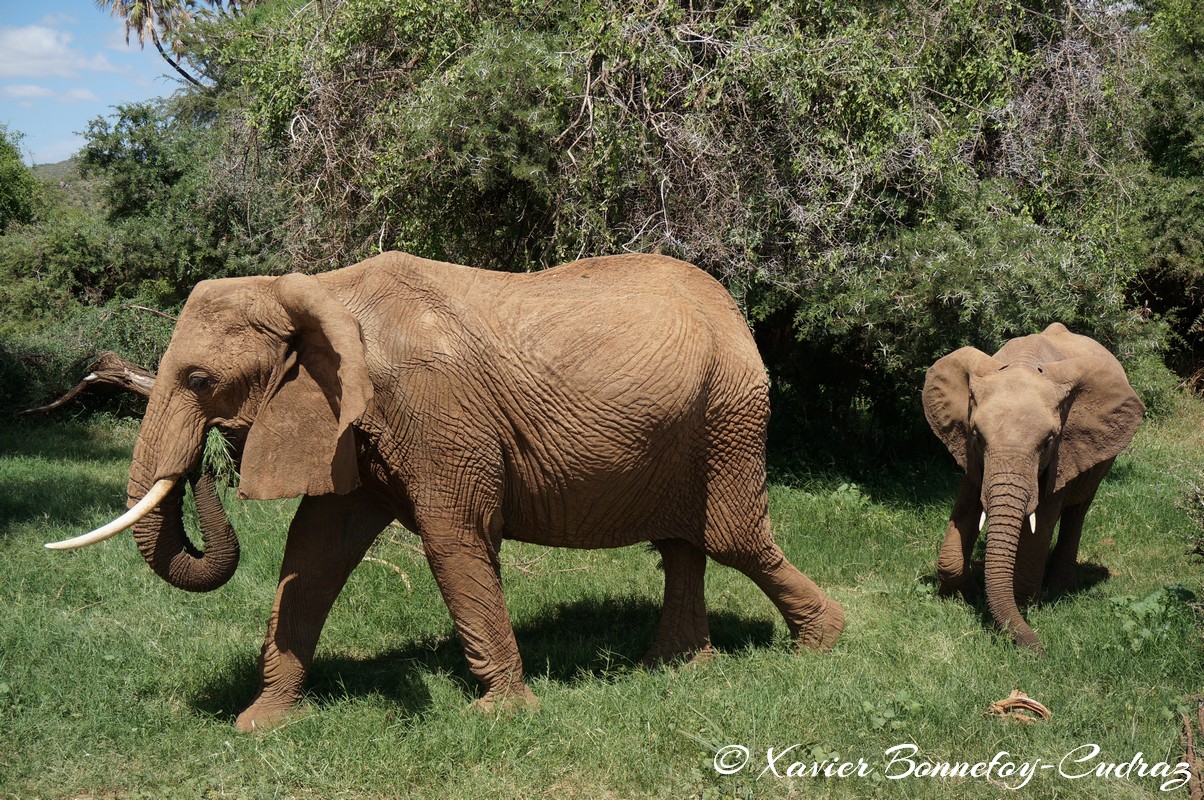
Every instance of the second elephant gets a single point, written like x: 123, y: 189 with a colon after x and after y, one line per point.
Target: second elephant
x: 1036, y: 427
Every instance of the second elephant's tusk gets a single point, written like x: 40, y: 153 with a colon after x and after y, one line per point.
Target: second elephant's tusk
x: 1032, y: 521
x: 982, y: 522
x: 126, y: 520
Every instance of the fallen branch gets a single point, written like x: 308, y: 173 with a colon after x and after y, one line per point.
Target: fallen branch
x: 1020, y: 707
x: 404, y: 578
x: 109, y: 370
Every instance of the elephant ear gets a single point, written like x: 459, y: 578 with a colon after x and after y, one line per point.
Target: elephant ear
x: 301, y: 441
x: 1101, y: 412
x: 947, y: 397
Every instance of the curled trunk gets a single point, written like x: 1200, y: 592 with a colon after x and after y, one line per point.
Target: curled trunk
x: 164, y: 543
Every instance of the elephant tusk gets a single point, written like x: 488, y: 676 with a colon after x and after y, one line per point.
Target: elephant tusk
x: 1032, y: 521
x: 982, y: 522
x: 126, y: 520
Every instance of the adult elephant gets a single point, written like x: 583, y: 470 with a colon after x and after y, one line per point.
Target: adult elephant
x: 598, y: 404
x: 1036, y: 427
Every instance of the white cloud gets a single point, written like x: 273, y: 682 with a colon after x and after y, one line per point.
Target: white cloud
x: 79, y: 94
x: 59, y: 18
x: 37, y: 51
x: 24, y: 90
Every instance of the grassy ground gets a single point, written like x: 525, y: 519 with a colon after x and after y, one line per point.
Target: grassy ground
x: 115, y: 685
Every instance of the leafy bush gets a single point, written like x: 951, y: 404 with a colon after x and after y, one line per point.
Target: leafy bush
x: 17, y: 183
x: 1171, y: 219
x: 876, y: 184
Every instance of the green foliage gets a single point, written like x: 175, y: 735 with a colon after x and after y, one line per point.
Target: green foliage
x: 876, y: 184
x: 891, y: 713
x: 155, y: 211
x: 1171, y: 222
x: 1147, y: 621
x: 17, y: 183
x: 140, y: 155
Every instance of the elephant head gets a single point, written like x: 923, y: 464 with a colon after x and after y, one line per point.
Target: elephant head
x: 279, y: 366
x: 1024, y: 430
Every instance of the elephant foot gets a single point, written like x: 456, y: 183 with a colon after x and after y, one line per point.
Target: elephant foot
x: 821, y: 634
x: 685, y: 655
x: 514, y: 697
x: 264, y: 715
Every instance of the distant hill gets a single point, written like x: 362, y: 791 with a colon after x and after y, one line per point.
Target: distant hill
x: 59, y: 171
x: 63, y: 177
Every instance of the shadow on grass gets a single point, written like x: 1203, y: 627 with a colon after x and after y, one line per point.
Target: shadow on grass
x: 589, y: 640
x: 1087, y: 576
x: 44, y: 485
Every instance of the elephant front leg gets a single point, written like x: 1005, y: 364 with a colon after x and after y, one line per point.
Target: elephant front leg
x: 1033, y: 553
x: 1061, y: 574
x: 683, y: 632
x: 466, y: 568
x: 953, y: 563
x: 327, y: 539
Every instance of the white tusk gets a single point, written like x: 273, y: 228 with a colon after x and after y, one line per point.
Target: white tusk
x: 1032, y: 521
x: 126, y: 520
x: 982, y: 522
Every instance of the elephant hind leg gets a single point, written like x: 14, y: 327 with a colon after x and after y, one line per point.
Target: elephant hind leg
x: 815, y: 620
x: 683, y: 633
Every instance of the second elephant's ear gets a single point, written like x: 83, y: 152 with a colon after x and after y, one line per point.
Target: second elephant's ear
x: 1102, y: 413
x: 301, y: 441
x: 947, y: 397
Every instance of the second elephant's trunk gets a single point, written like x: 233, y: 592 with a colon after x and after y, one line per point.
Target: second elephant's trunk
x: 1007, y: 505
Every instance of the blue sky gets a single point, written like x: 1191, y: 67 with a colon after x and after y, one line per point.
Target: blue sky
x: 63, y: 63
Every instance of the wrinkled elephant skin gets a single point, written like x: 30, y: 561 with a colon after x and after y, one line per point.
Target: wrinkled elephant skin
x: 598, y: 404
x: 1036, y: 427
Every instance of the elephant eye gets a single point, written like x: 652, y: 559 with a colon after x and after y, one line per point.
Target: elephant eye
x: 201, y: 381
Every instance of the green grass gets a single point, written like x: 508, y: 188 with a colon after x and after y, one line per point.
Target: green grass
x: 115, y: 685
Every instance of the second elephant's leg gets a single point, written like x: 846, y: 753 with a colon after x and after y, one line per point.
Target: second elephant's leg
x: 683, y: 631
x: 953, y: 563
x: 1060, y: 574
x: 327, y: 539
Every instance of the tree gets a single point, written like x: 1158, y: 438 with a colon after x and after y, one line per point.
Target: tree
x: 1172, y: 220
x: 148, y: 18
x: 17, y: 183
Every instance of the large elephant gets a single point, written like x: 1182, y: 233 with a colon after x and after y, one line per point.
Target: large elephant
x: 1036, y: 427
x: 597, y: 404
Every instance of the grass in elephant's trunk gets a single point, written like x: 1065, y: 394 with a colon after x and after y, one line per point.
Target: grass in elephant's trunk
x: 107, y: 674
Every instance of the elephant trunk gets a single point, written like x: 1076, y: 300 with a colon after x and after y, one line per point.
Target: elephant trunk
x: 1006, y: 498
x: 160, y: 535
